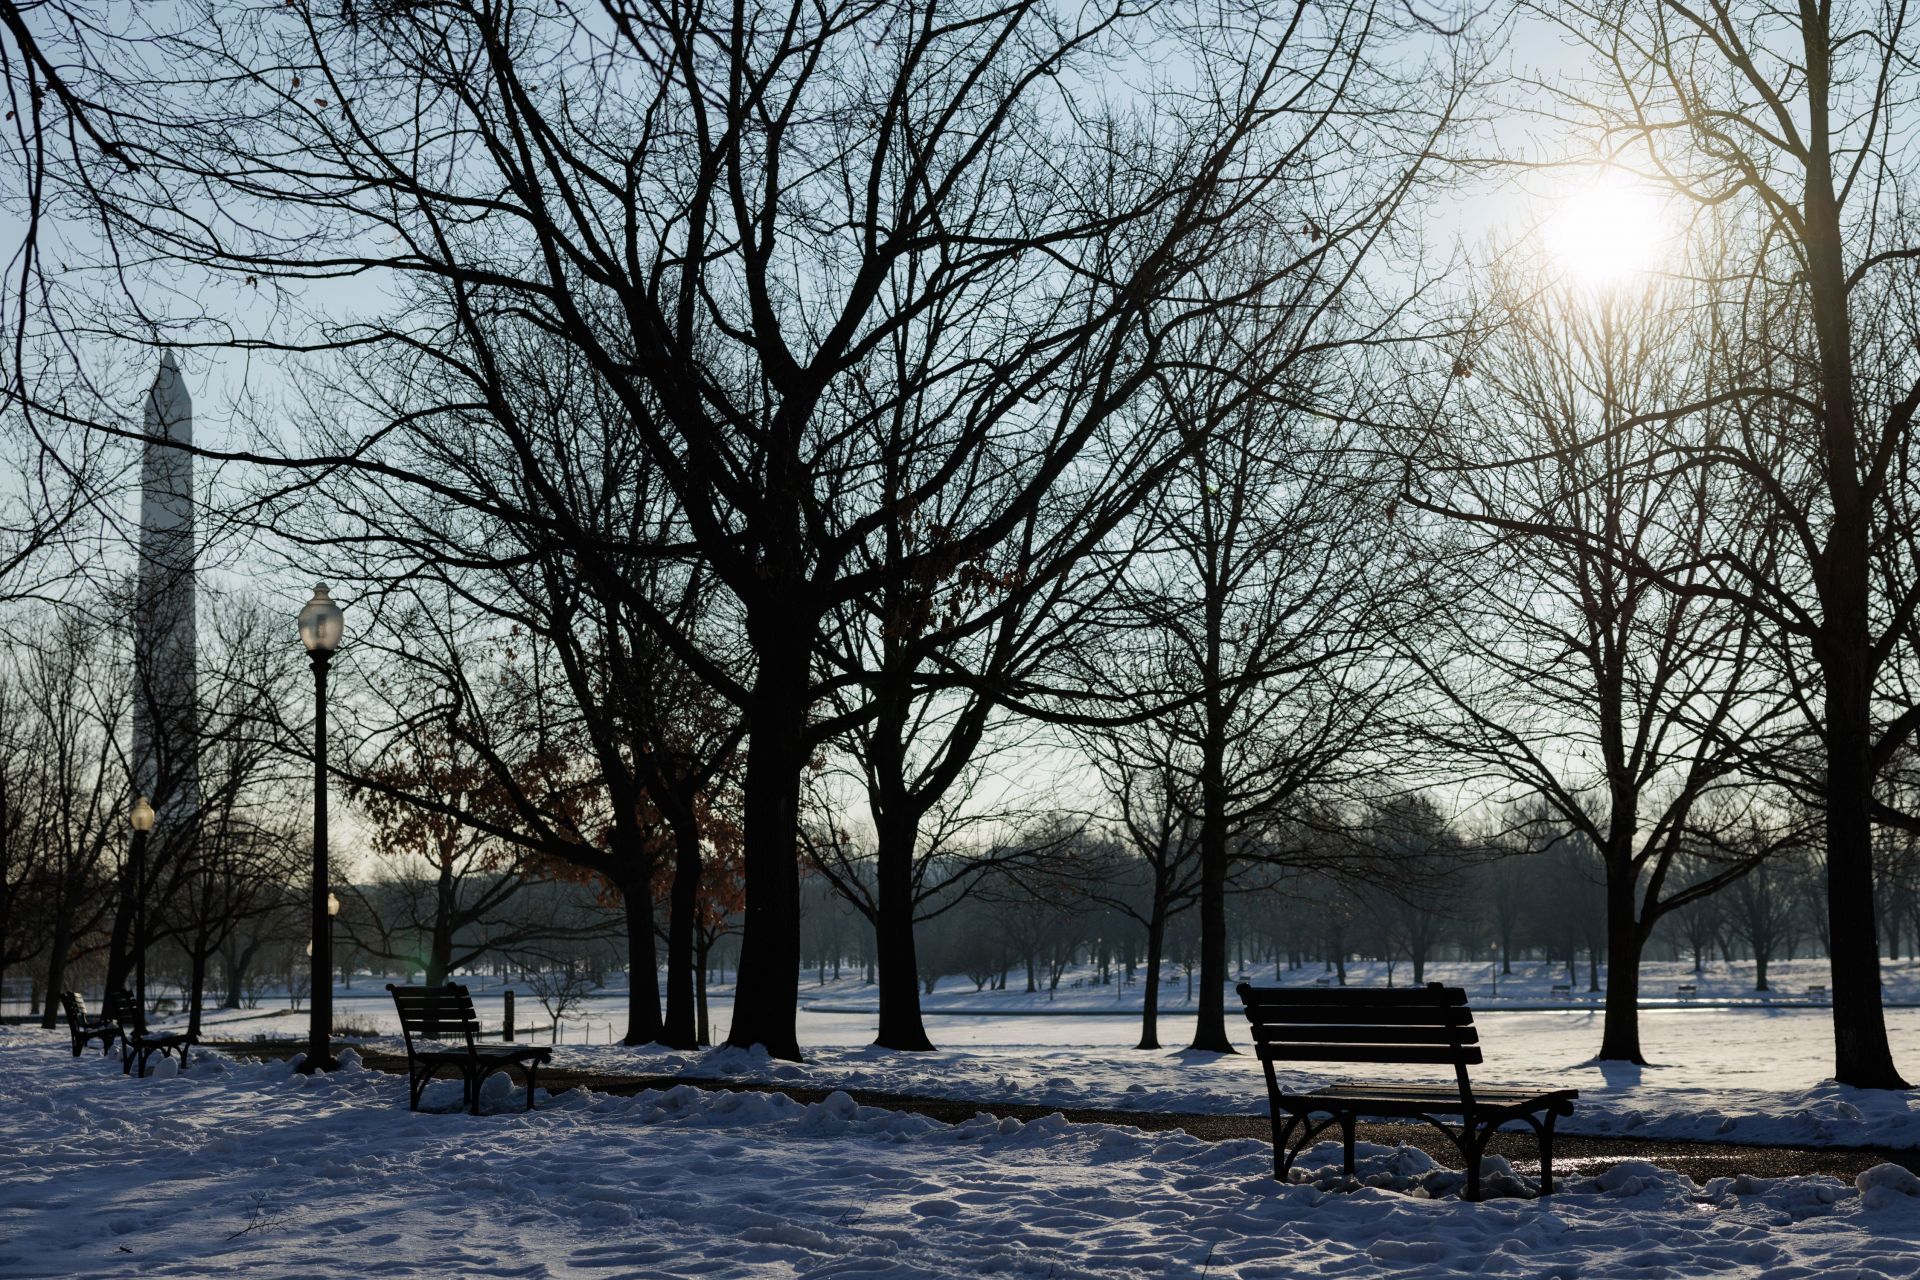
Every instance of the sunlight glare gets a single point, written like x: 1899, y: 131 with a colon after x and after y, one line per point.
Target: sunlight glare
x: 1608, y: 231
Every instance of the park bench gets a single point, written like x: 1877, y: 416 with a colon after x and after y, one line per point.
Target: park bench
x: 1687, y: 990
x: 1423, y: 1025
x: 86, y: 1027
x: 1562, y: 989
x: 1816, y: 993
x: 447, y: 1031
x: 138, y: 1045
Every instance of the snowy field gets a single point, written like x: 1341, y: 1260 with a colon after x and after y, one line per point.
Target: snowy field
x: 243, y: 1169
x: 1731, y: 1070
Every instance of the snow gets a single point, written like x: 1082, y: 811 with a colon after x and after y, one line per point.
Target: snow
x: 234, y: 1168
x: 1722, y: 1068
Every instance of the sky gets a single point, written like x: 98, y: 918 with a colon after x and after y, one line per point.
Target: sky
x: 231, y: 389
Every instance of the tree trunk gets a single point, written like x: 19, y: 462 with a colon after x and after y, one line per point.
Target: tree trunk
x: 701, y: 1029
x: 1620, y: 1031
x: 766, y: 991
x: 1862, y: 1056
x: 1210, y: 1021
x: 680, y: 1031
x: 1844, y: 646
x: 236, y: 977
x: 899, y: 968
x: 440, y: 943
x: 57, y: 968
x: 120, y: 938
x: 1156, y: 933
x: 643, y: 966
x: 196, y: 990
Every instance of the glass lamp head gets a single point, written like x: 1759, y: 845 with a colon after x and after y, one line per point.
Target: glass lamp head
x: 142, y: 817
x: 321, y: 622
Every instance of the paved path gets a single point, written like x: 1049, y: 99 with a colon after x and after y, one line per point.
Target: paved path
x: 1572, y: 1153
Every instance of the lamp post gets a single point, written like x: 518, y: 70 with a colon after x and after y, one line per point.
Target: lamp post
x: 142, y: 820
x: 321, y: 624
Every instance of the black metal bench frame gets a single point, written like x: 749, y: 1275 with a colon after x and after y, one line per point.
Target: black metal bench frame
x: 1419, y: 1025
x: 85, y: 1028
x: 137, y: 1044
x: 120, y: 1023
x: 433, y: 1013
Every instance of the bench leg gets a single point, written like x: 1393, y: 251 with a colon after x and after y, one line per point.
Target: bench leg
x: 531, y: 1069
x: 1346, y: 1143
x: 1546, y: 1155
x: 1471, y: 1141
x: 1282, y: 1135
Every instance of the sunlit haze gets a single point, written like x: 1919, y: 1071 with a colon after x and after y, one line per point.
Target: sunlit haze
x: 1608, y: 230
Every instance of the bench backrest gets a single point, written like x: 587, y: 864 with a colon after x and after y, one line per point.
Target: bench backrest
x: 75, y: 1005
x: 1429, y: 1024
x: 435, y: 1013
x: 119, y: 1006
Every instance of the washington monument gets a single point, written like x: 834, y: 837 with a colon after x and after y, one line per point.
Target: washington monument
x: 165, y: 716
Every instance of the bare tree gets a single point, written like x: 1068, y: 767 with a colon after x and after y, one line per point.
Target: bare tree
x: 1786, y: 123
x: 731, y: 232
x: 1151, y: 874
x: 1761, y: 911
x: 1570, y: 668
x: 79, y: 704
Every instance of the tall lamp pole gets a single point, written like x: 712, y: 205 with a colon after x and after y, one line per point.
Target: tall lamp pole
x: 142, y: 820
x: 321, y: 624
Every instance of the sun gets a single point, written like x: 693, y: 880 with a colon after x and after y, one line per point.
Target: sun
x: 1608, y: 231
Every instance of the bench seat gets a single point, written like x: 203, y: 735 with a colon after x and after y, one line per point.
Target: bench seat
x: 1414, y: 1099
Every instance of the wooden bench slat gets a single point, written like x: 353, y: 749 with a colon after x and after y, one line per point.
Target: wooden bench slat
x: 1345, y: 1034
x: 1415, y: 1054
x: 1410, y: 1016
x: 1434, y: 995
x: 1371, y: 1093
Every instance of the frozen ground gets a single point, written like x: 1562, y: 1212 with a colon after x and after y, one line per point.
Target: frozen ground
x: 244, y: 1170
x: 1734, y: 1071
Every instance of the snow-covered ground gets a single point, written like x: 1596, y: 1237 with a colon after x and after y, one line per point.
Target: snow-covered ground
x: 1724, y: 1070
x: 244, y: 1169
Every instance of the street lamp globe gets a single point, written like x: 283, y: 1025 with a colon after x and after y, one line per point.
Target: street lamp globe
x: 333, y: 905
x: 321, y: 622
x: 142, y: 818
